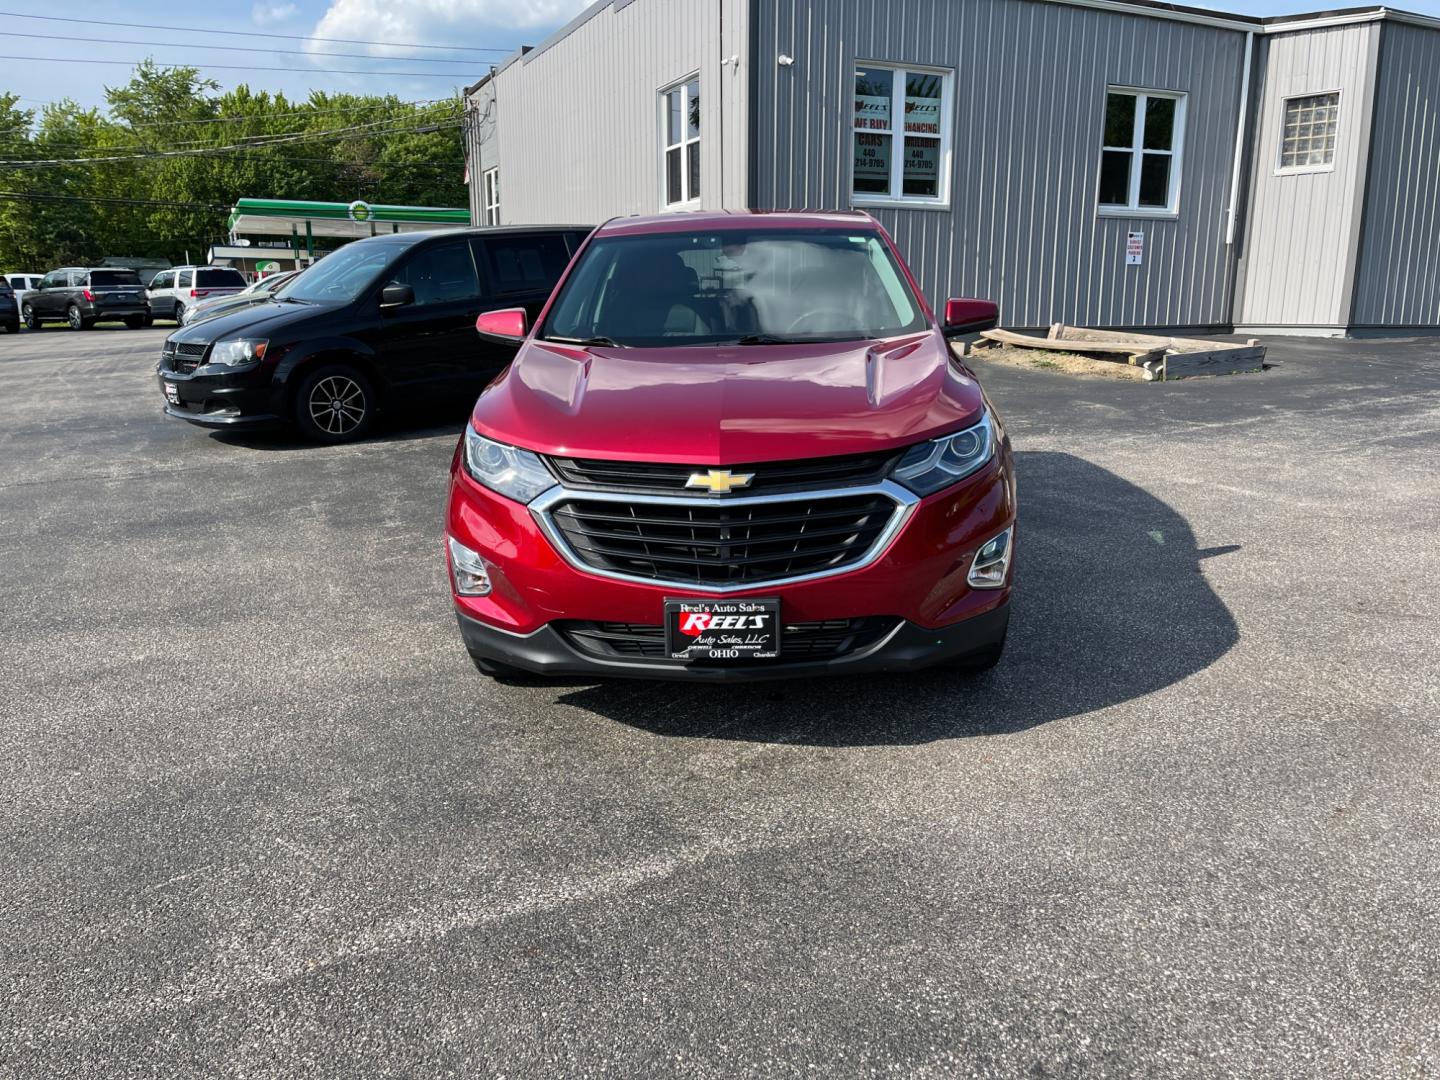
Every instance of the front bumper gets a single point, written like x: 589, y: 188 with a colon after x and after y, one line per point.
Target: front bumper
x: 222, y: 401
x: 908, y: 647
x: 918, y: 580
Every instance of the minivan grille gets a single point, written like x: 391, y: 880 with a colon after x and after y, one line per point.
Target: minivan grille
x: 717, y: 542
x: 184, y: 356
x: 771, y: 476
x: 798, y: 641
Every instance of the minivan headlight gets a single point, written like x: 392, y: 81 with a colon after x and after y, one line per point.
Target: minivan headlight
x: 517, y: 474
x: 237, y: 352
x: 930, y: 466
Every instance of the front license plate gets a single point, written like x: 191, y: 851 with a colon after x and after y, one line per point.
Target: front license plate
x: 722, y: 629
x: 172, y: 394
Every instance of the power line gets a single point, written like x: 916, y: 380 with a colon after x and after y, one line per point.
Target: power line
x: 23, y: 196
x: 251, y: 67
x: 339, y: 133
x: 234, y: 48
x: 258, y: 33
x: 261, y: 117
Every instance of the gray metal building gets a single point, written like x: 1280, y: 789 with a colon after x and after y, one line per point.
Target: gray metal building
x: 1096, y: 162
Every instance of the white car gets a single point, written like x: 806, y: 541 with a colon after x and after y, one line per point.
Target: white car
x: 172, y: 291
x: 23, y: 284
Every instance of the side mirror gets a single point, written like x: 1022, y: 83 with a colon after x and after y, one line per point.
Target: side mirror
x: 396, y: 296
x: 966, y: 316
x: 507, y: 325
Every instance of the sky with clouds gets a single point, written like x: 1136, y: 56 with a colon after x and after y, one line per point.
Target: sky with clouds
x: 54, y: 62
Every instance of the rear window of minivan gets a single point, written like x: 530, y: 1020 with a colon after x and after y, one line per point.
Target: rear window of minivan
x: 219, y: 279
x: 102, y: 278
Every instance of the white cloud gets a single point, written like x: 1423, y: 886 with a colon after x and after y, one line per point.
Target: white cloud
x: 438, y: 22
x: 270, y: 12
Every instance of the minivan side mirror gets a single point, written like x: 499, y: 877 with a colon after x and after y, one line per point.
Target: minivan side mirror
x: 967, y: 316
x: 507, y: 325
x: 396, y: 296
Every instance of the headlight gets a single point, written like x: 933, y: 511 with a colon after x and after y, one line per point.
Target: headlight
x: 237, y: 352
x: 517, y: 474
x: 930, y: 466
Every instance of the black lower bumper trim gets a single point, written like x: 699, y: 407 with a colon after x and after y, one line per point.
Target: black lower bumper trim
x: 223, y: 419
x: 908, y: 648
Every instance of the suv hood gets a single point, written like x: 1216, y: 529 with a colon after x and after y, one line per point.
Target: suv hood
x: 729, y: 405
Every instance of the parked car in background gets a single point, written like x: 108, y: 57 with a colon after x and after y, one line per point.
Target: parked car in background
x: 734, y: 447
x: 82, y: 297
x: 23, y: 284
x: 9, y: 309
x: 383, y: 322
x: 172, y: 291
x: 257, y: 292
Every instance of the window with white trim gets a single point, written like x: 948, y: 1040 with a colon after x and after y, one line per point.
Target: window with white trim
x: 1141, y: 157
x: 1307, y: 140
x: 490, y: 205
x: 680, y: 142
x: 901, y: 137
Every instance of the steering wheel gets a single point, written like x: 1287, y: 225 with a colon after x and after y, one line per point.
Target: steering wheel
x: 836, y: 316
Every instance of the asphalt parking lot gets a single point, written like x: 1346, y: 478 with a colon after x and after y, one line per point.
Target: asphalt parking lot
x: 262, y: 818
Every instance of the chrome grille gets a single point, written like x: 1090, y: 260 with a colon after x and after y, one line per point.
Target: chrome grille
x: 771, y: 476
x: 723, y: 543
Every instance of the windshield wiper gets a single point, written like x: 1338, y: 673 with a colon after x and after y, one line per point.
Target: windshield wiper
x: 764, y: 339
x: 603, y: 342
x: 290, y: 300
x: 780, y: 339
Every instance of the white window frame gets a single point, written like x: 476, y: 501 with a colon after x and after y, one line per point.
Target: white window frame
x: 688, y: 200
x: 896, y: 198
x: 490, y: 195
x: 1298, y: 170
x: 1137, y: 153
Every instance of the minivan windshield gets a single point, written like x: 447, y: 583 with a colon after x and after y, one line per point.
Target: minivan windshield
x: 734, y: 286
x: 341, y: 277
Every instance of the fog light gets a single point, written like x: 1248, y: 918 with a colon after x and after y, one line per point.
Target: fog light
x: 992, y: 563
x: 470, y: 573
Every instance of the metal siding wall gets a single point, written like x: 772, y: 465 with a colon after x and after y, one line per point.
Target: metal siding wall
x: 482, y: 148
x: 1299, y: 250
x: 1399, y: 278
x: 1030, y: 96
x: 583, y: 115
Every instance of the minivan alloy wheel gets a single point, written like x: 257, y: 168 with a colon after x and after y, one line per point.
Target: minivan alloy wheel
x: 337, y: 404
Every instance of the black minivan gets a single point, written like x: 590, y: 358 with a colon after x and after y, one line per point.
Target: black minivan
x: 384, y: 322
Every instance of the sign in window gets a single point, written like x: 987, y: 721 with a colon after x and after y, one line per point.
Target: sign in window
x: 901, y: 135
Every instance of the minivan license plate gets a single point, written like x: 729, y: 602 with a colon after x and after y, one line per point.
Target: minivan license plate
x: 722, y: 629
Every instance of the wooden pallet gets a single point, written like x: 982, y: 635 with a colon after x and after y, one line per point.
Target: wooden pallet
x: 1163, y: 358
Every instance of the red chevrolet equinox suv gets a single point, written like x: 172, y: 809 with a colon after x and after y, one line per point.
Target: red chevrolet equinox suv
x: 733, y: 447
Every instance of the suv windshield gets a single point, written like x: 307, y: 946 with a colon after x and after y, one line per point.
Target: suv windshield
x: 341, y: 277
x: 99, y: 279
x: 761, y: 286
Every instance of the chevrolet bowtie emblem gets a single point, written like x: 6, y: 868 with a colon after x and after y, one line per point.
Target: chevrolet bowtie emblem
x: 719, y: 481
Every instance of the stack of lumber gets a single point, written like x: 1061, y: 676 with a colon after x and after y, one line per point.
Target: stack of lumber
x: 1161, y: 357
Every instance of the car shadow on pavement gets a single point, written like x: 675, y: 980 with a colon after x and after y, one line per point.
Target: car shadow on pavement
x: 1110, y: 604
x: 390, y: 429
